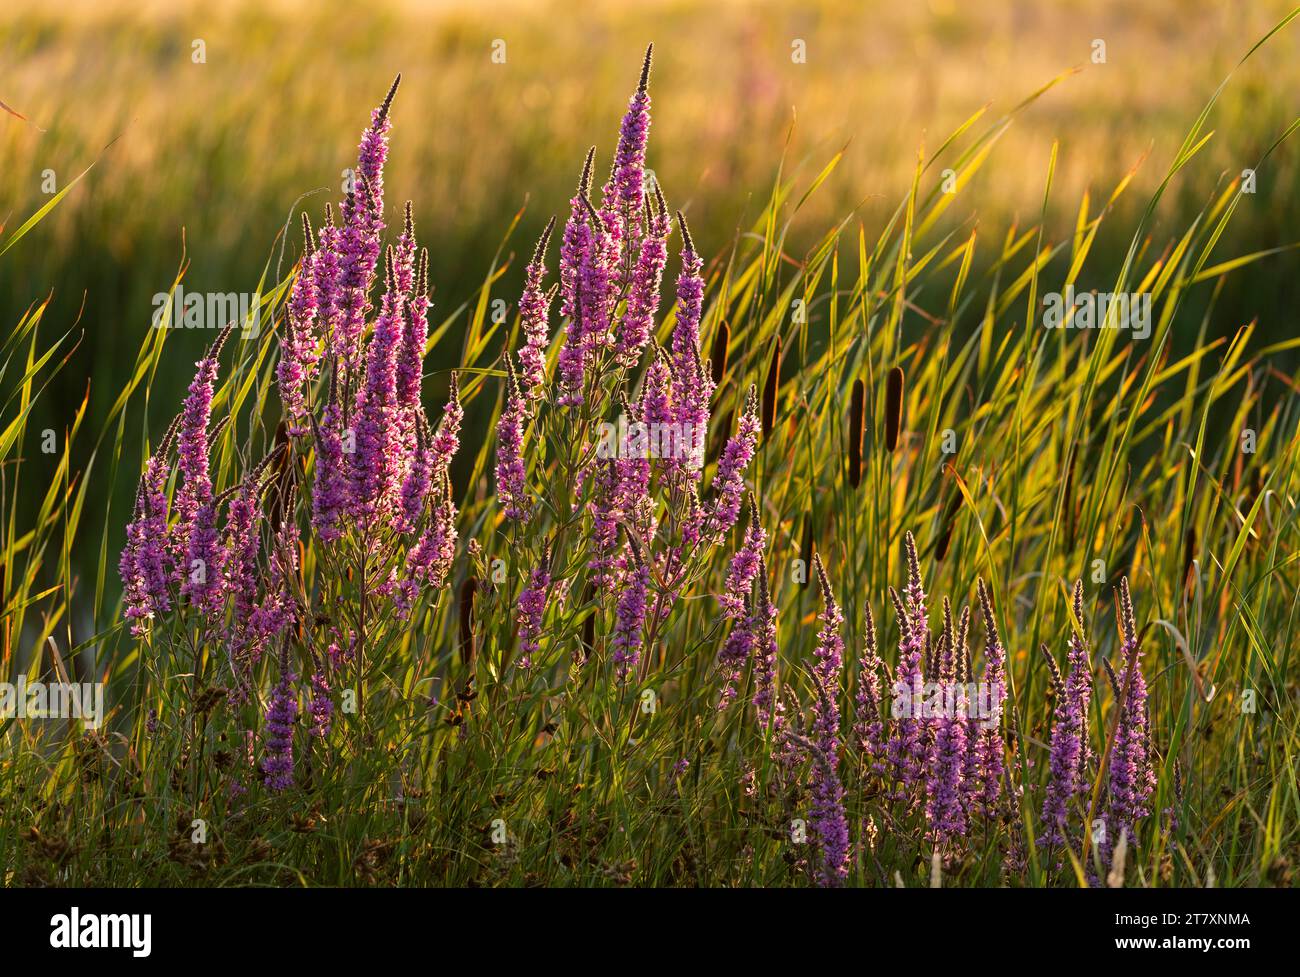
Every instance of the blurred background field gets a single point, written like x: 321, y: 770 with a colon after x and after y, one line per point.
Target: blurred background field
x: 208, y: 160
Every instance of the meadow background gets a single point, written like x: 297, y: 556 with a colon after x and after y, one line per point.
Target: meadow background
x: 207, y: 161
x: 198, y: 167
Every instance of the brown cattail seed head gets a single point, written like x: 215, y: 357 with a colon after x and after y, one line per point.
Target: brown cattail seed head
x: 893, y: 407
x: 857, y: 412
x: 770, y: 387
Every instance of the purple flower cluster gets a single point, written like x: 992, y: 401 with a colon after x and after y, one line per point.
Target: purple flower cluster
x: 1132, y: 777
x: 281, y: 716
x: 827, y: 815
x: 1068, y: 760
x: 906, y: 748
x: 531, y: 610
x: 869, y: 725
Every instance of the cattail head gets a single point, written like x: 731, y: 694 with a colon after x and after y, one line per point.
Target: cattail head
x: 893, y: 407
x: 770, y: 387
x: 718, y: 358
x: 465, y: 607
x: 857, y: 410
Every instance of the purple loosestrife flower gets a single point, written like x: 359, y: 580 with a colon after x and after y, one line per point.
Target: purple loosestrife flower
x: 242, y: 519
x: 869, y: 725
x: 947, y: 754
x: 406, y: 252
x: 359, y: 238
x: 1132, y: 779
x: 656, y: 412
x: 408, y: 372
x: 744, y: 565
x: 145, y: 564
x: 326, y: 270
x: 330, y: 495
x: 1069, y: 746
x: 374, y: 470
x: 205, y: 559
x: 827, y: 816
x: 633, y: 331
x: 735, y: 652
x: 632, y: 496
x: 906, y: 748
x: 273, y: 618
x: 692, y: 385
x: 986, y: 762
x: 429, y: 562
x: 1078, y: 685
x: 729, y: 480
x: 446, y: 440
x: 277, y: 763
x: 583, y: 291
x: 192, y: 446
x: 829, y: 655
x: 321, y: 706
x: 630, y: 613
x: 298, y: 353
x: 767, y: 700
x: 534, y: 310
x: 373, y: 150
x: 512, y: 473
x: 532, y: 609
x: 604, y: 523
x: 419, y: 478
x: 622, y: 196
